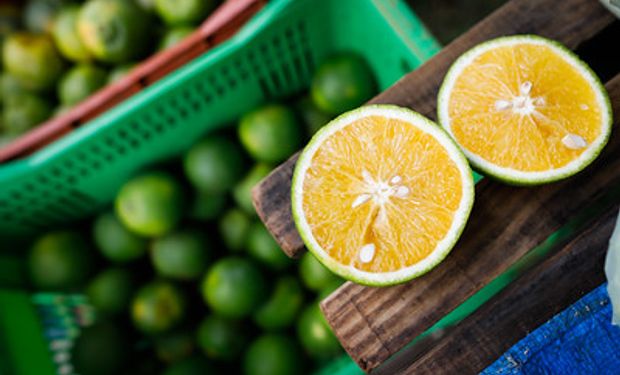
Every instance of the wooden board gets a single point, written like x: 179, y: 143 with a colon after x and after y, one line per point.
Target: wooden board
x: 506, y: 222
x: 569, y: 21
x: 481, y: 338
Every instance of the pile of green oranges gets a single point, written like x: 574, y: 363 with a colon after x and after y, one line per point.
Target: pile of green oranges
x: 55, y: 53
x: 184, y: 276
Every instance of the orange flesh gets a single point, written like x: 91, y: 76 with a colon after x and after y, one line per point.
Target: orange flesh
x: 531, y: 142
x: 404, y: 229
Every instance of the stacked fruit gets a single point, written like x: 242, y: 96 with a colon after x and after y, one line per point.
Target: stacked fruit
x: 68, y: 49
x: 184, y: 261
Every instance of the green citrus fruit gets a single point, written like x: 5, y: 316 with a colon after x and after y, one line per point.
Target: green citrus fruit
x: 341, y: 83
x: 196, y: 365
x: 110, y: 291
x: 114, y: 31
x: 313, y: 118
x: 243, y: 191
x: 313, y: 274
x: 214, y: 164
x: 59, y: 261
x: 23, y: 112
x: 207, y: 206
x: 9, y: 86
x: 174, y: 36
x: 234, y: 227
x: 234, y: 287
x: 315, y: 335
x: 270, y: 133
x: 33, y: 60
x: 514, y: 125
x: 101, y: 349
x: 175, y: 346
x: 150, y: 204
x: 39, y: 15
x: 66, y: 37
x: 273, y: 354
x: 181, y: 255
x: 115, y: 241
x: 158, y: 307
x: 281, y: 308
x: 120, y: 71
x: 262, y: 247
x: 179, y: 12
x: 80, y: 82
x: 221, y: 338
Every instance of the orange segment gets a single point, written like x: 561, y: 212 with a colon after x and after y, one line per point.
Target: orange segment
x: 523, y: 104
x: 383, y: 183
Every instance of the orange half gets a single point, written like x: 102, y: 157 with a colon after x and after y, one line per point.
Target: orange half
x: 381, y: 194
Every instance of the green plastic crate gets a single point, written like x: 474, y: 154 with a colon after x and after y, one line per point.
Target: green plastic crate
x: 273, y: 56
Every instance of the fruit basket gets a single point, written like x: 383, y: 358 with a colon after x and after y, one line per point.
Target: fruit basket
x: 272, y: 56
x: 526, y: 253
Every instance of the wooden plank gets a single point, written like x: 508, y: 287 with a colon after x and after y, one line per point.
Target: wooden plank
x: 570, y: 21
x: 374, y: 323
x: 536, y: 297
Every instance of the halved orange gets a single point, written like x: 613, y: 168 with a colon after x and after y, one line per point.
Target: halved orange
x: 525, y: 110
x: 381, y: 194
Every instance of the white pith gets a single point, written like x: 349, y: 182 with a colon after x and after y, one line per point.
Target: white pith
x: 527, y: 106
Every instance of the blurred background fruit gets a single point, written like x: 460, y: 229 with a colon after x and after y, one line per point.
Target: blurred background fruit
x: 221, y: 338
x: 80, y: 82
x: 214, y: 165
x: 158, y: 307
x: 174, y: 36
x: 66, y: 37
x: 179, y: 12
x: 234, y: 287
x: 270, y: 133
x: 175, y: 346
x: 33, y: 60
x: 315, y: 334
x: 115, y: 241
x: 114, y: 31
x: 273, y: 354
x: 151, y: 204
x: 111, y: 290
x: 60, y: 261
x: 342, y: 83
x: 181, y: 255
x: 100, y: 350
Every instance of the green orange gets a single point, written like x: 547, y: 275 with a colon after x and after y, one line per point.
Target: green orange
x: 158, y: 307
x: 60, y: 260
x: 273, y: 354
x: 214, y: 164
x: 114, y: 31
x: 115, y: 241
x: 262, y: 247
x: 181, y: 255
x: 234, y: 287
x: 282, y: 307
x: 66, y: 37
x: 341, y: 83
x: 221, y: 338
x: 111, y: 290
x: 315, y: 335
x: 80, y: 82
x: 151, y: 204
x: 270, y: 133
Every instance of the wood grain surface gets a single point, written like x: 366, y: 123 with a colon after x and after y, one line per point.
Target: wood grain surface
x: 569, y: 21
x: 530, y: 301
